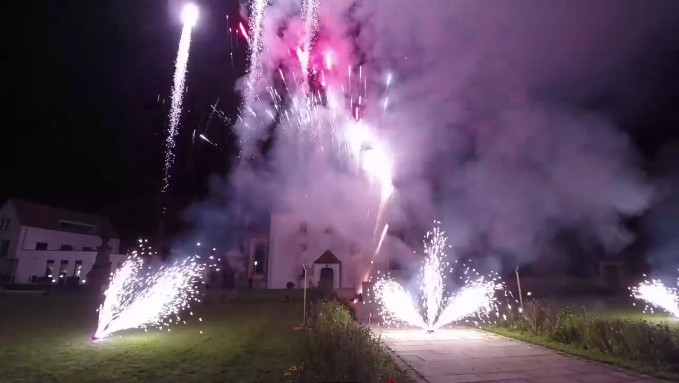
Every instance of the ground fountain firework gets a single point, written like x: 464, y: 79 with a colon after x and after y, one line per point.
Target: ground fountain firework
x: 142, y: 297
x: 657, y: 295
x: 436, y: 307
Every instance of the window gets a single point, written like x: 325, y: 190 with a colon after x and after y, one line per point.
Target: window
x: 78, y: 268
x: 41, y: 246
x: 49, y: 268
x: 87, y: 248
x: 66, y: 247
x: 62, y: 270
x: 4, y: 248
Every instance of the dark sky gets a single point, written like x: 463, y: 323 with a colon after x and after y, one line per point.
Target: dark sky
x: 87, y: 93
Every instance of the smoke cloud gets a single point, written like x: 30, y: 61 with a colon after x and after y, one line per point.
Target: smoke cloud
x: 484, y: 121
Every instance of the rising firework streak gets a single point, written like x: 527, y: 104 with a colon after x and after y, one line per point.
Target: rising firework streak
x: 189, y: 18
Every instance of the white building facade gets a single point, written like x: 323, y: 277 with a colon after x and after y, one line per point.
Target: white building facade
x: 293, y: 243
x: 39, y: 243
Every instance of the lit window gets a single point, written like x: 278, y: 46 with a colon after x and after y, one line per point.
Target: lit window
x: 78, y: 268
x: 48, y: 268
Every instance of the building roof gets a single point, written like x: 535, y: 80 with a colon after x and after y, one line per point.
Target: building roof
x: 328, y: 257
x: 47, y: 217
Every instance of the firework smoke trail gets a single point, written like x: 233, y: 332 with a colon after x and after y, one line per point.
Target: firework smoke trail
x: 189, y: 16
x: 656, y: 294
x: 477, y: 296
x: 135, y: 299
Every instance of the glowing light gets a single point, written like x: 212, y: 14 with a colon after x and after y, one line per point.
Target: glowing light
x: 190, y: 15
x: 384, y: 234
x: 177, y: 96
x: 657, y: 295
x: 143, y: 298
x: 257, y: 12
x: 328, y: 60
x: 475, y: 297
x: 243, y: 31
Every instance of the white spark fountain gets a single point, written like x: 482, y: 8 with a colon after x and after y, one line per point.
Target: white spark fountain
x: 139, y: 297
x: 189, y: 18
x: 475, y: 297
x: 657, y: 295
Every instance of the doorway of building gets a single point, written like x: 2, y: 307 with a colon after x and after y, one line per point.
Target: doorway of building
x: 327, y: 280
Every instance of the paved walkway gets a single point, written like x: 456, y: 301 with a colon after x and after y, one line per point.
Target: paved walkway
x: 469, y: 355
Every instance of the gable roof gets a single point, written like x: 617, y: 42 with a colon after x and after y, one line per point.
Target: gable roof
x: 328, y: 257
x: 47, y: 217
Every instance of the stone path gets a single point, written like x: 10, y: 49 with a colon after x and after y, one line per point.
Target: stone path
x: 469, y: 355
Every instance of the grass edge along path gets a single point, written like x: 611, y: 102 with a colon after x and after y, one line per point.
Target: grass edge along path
x: 577, y: 351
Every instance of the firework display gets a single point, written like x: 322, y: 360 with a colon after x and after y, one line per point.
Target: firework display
x: 658, y: 296
x: 143, y: 297
x: 437, y: 306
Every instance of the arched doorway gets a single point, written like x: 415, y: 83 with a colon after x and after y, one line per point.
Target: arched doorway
x: 327, y: 280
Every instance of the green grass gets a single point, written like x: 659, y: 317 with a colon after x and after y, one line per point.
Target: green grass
x: 594, y: 355
x: 47, y: 339
x: 612, y: 315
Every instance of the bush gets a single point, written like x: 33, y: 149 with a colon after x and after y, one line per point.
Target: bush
x: 339, y: 349
x: 635, y: 340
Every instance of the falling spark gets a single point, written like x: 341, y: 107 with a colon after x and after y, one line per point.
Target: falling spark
x: 244, y: 32
x: 384, y: 234
x: 206, y: 139
x: 656, y: 294
x: 475, y: 297
x: 142, y: 298
x: 189, y: 17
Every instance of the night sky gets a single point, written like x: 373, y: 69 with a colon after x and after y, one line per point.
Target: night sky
x: 87, y: 96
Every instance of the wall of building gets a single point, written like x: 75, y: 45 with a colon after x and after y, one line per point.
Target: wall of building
x: 11, y: 233
x: 290, y: 247
x: 55, y: 239
x: 34, y: 262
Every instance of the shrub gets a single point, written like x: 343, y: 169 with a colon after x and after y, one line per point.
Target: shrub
x: 339, y: 349
x: 635, y: 340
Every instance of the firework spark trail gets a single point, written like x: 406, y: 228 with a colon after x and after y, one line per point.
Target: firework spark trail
x: 181, y: 63
x: 310, y: 9
x: 431, y: 282
x: 135, y: 299
x: 476, y: 297
x: 656, y: 294
x: 397, y: 302
x: 257, y: 13
x: 384, y: 234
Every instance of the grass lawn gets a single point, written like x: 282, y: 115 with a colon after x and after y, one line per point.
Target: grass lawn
x: 47, y: 339
x: 622, y: 313
x: 594, y: 355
